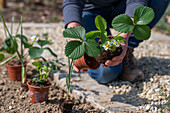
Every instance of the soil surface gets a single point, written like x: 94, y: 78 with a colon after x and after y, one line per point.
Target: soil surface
x: 108, y: 55
x: 14, y: 62
x: 39, y: 84
x: 15, y: 99
x: 37, y: 13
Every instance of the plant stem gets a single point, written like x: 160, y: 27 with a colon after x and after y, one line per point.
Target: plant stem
x: 117, y: 35
x: 7, y: 60
x: 69, y: 75
x: 12, y: 24
x: 21, y: 38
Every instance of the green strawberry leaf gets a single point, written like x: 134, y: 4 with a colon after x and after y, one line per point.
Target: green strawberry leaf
x: 143, y: 15
x: 1, y: 57
x: 100, y: 23
x: 92, y: 48
x: 120, y: 39
x: 36, y: 64
x: 103, y: 37
x: 44, y: 42
x: 74, y: 32
x: 92, y: 35
x: 123, y: 23
x: 35, y: 52
x: 74, y: 49
x: 47, y: 48
x: 142, y: 32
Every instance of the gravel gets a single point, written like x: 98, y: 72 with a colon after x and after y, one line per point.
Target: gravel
x: 149, y: 95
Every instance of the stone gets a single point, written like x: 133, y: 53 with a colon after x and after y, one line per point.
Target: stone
x: 10, y: 107
x: 2, y: 82
x: 147, y: 108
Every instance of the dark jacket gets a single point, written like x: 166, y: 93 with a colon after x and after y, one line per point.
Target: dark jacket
x: 72, y: 9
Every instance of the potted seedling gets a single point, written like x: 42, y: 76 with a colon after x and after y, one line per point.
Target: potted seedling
x: 91, y: 52
x: 16, y: 62
x: 39, y: 85
x: 66, y: 104
x: 19, y: 48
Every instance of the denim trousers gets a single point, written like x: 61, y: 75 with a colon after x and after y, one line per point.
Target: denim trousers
x: 108, y: 74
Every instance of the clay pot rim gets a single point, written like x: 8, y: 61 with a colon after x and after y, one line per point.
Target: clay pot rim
x: 37, y: 87
x: 15, y: 65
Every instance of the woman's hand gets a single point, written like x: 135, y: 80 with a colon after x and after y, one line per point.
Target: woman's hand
x: 118, y: 59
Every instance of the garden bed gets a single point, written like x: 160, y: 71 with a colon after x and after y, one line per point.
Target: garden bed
x: 15, y: 99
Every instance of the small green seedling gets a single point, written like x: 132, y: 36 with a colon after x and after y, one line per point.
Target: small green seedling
x: 44, y: 69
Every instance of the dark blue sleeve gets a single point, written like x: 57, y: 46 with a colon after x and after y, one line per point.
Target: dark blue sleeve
x: 72, y: 11
x: 132, y: 4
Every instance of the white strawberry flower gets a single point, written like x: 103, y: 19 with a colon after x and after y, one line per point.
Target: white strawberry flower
x: 115, y: 43
x: 34, y: 38
x: 106, y: 45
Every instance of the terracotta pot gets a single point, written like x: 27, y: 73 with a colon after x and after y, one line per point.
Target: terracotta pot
x: 65, y: 105
x: 38, y: 94
x: 86, y: 62
x: 14, y: 72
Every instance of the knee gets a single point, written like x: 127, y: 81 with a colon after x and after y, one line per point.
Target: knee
x: 106, y: 75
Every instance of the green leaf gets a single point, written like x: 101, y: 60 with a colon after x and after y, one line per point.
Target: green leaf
x: 35, y: 52
x: 103, y: 38
x: 45, y: 35
x: 36, y: 64
x: 24, y: 39
x: 1, y: 57
x: 34, y: 80
x: 2, y: 49
x: 92, y: 48
x: 120, y: 39
x: 123, y: 23
x: 37, y: 75
x: 10, y: 46
x: 143, y: 15
x: 7, y: 60
x: 142, y: 32
x: 47, y: 48
x: 44, y: 42
x: 100, y: 23
x: 57, y: 61
x: 74, y: 32
x: 74, y: 49
x: 92, y: 35
x: 41, y: 80
x: 41, y: 58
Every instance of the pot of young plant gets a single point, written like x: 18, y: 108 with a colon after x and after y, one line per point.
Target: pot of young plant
x: 65, y: 105
x: 38, y: 92
x: 109, y: 47
x: 86, y: 62
x: 14, y: 70
x: 39, y: 85
x: 11, y: 48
